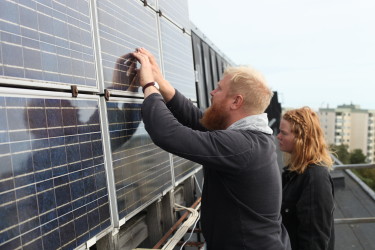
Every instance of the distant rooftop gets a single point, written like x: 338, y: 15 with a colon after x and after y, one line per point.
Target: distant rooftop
x: 348, y: 106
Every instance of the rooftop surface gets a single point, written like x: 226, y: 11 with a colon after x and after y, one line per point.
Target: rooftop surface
x: 353, y: 202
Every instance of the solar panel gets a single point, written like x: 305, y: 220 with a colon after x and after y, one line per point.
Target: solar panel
x: 53, y: 190
x: 183, y: 168
x: 47, y: 41
x: 141, y: 169
x: 177, y: 11
x: 178, y: 58
x: 214, y: 68
x: 123, y: 27
x: 207, y: 69
x: 220, y: 65
x: 198, y: 66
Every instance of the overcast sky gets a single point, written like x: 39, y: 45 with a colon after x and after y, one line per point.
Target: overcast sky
x: 312, y: 52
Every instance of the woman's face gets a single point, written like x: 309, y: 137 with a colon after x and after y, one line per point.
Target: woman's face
x: 286, y: 137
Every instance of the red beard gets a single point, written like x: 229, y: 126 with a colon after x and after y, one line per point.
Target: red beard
x: 214, y: 118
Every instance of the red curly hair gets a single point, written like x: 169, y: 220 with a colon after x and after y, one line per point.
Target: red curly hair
x: 310, y: 145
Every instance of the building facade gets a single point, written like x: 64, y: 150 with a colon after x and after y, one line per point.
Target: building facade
x: 352, y: 126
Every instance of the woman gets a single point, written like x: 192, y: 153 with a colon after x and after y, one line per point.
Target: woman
x: 308, y: 204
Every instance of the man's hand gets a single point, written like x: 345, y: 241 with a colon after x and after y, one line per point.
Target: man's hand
x: 145, y: 73
x: 158, y: 76
x: 166, y: 89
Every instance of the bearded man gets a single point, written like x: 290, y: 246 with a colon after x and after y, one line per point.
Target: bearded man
x: 241, y: 196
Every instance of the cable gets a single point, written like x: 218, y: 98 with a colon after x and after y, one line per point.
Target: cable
x: 193, y: 218
x: 192, y: 231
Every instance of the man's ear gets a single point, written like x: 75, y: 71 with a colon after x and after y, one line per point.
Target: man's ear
x: 237, y: 102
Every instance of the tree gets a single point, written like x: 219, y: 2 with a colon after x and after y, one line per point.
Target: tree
x: 356, y: 156
x: 342, y: 153
x: 366, y: 175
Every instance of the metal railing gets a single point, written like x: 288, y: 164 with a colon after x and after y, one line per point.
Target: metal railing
x: 353, y: 166
x: 367, y: 189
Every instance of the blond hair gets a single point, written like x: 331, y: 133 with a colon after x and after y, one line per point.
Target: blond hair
x: 252, y: 86
x: 310, y: 146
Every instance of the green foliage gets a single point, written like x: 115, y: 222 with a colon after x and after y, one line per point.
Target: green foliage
x: 341, y: 152
x: 367, y: 176
x: 356, y: 156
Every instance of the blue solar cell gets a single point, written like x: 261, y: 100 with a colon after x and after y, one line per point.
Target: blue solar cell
x: 67, y: 233
x: 29, y: 225
x: 6, y: 168
x: 21, y: 181
x: 6, y: 184
x: 35, y: 244
x: 27, y: 208
x: 52, y: 240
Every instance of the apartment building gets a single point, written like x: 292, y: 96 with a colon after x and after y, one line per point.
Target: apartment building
x: 350, y: 125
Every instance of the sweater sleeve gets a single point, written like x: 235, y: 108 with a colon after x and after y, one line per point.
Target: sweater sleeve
x: 315, y: 211
x: 185, y: 111
x: 212, y: 149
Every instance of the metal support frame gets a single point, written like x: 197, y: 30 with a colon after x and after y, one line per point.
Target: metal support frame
x: 355, y: 220
x: 353, y: 166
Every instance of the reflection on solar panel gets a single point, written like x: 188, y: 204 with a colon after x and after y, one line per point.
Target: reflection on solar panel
x: 53, y: 190
x: 178, y: 59
x: 141, y: 169
x: 207, y: 69
x: 198, y: 66
x: 123, y: 27
x: 214, y: 68
x: 47, y: 41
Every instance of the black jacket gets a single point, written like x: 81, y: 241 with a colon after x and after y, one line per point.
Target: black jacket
x: 241, y: 197
x: 307, y: 208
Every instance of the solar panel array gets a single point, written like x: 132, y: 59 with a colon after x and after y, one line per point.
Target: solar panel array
x: 55, y: 182
x: 53, y: 188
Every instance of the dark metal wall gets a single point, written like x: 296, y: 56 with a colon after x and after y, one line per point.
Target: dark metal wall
x: 209, y: 66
